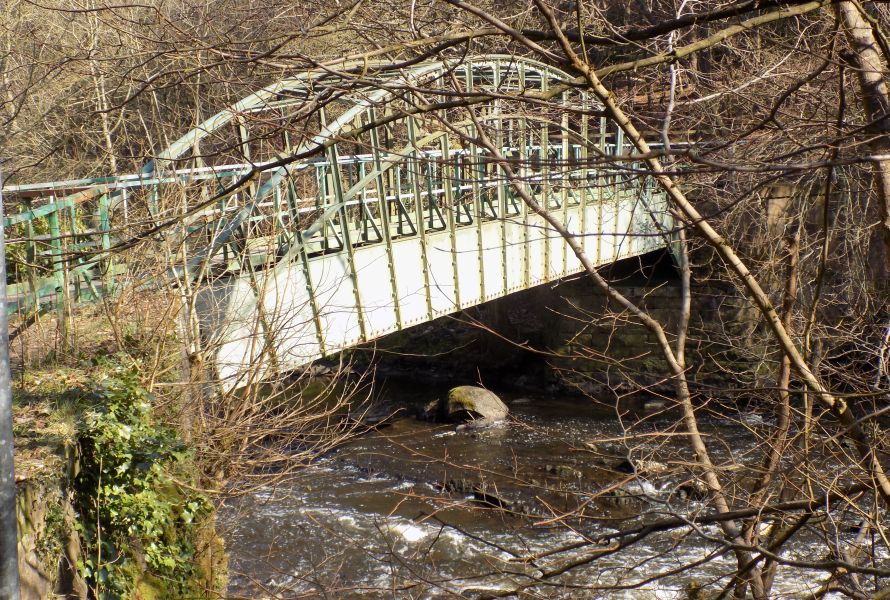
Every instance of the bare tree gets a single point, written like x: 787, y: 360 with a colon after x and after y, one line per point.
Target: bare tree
x: 744, y: 114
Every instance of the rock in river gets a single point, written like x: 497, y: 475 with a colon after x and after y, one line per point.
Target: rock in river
x: 469, y: 402
x: 641, y: 467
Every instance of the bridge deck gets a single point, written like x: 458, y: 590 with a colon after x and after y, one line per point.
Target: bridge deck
x: 296, y: 261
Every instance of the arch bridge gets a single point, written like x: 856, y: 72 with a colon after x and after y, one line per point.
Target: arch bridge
x: 332, y: 208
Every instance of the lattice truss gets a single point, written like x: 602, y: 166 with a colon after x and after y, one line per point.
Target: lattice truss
x: 334, y: 207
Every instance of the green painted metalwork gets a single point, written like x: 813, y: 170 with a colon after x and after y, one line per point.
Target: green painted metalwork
x: 331, y: 203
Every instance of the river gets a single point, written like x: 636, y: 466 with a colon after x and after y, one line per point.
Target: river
x: 420, y: 510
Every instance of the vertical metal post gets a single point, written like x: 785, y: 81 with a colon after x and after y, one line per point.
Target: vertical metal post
x: 55, y: 244
x: 524, y: 173
x: 601, y: 182
x: 153, y: 202
x: 477, y: 179
x: 414, y: 162
x: 276, y: 209
x: 544, y: 153
x: 501, y: 181
x: 9, y: 559
x: 563, y: 164
x: 310, y: 293
x: 72, y: 214
x: 59, y: 272
x: 333, y: 157
x: 107, y: 264
x: 583, y: 155
x: 386, y: 221
x: 363, y: 198
x: 31, y: 257
x: 448, y: 175
x: 617, y: 192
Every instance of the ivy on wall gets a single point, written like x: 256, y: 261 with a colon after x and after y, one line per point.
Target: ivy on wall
x: 138, y: 524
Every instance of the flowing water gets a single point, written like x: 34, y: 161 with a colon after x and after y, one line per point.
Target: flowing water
x: 417, y: 509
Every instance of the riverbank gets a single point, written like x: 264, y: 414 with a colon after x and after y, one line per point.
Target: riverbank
x: 106, y: 489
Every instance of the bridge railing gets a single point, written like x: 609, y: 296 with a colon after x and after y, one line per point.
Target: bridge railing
x: 65, y: 237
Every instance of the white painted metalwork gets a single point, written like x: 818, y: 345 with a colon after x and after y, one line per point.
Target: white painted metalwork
x: 424, y: 224
x: 389, y: 215
x: 457, y: 270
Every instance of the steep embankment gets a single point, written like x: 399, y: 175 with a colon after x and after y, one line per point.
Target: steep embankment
x: 105, y: 494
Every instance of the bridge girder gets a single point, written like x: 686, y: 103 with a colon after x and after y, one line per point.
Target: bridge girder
x: 385, y: 213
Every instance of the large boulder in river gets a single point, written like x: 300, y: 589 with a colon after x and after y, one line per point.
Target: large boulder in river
x: 468, y: 402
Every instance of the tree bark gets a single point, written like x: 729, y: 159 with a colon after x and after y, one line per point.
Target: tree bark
x: 876, y: 102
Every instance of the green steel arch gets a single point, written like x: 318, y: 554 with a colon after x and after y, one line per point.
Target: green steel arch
x: 334, y: 207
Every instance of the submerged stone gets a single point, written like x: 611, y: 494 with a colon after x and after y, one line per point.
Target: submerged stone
x: 564, y: 471
x: 477, y: 424
x: 641, y: 467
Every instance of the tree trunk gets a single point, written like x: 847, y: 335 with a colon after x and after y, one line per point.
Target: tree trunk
x: 876, y: 102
